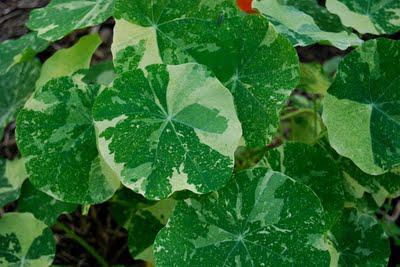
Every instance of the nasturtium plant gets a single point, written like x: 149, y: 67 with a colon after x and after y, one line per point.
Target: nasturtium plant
x: 376, y: 17
x: 213, y: 136
x: 61, y: 17
x: 180, y: 117
x: 25, y: 241
x: 361, y: 108
x: 235, y: 226
x: 258, y: 65
x: 300, y: 28
x: 16, y: 85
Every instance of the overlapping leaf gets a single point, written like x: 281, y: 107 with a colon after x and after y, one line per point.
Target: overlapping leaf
x: 247, y: 55
x: 370, y: 16
x: 361, y: 109
x: 261, y: 218
x: 315, y: 168
x: 16, y: 85
x: 25, y: 241
x: 173, y: 128
x: 23, y: 49
x: 12, y: 175
x: 42, y: 206
x: 355, y: 236
x: 300, y: 27
x: 56, y: 136
x: 61, y: 17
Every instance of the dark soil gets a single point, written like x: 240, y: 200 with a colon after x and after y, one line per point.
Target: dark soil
x: 98, y: 228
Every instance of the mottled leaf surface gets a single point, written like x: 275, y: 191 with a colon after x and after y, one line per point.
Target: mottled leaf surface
x: 16, y: 51
x: 258, y: 65
x: 61, y: 17
x: 41, y: 205
x: 361, y: 109
x: 300, y: 28
x: 16, y: 85
x: 315, y: 168
x: 261, y: 218
x: 368, y: 16
x: 56, y: 136
x: 171, y: 129
x: 12, y: 175
x: 25, y: 241
x: 359, y: 240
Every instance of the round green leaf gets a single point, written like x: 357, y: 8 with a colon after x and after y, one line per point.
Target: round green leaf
x: 56, y: 136
x: 258, y: 65
x: 16, y: 85
x: 300, y: 27
x: 359, y: 240
x: 25, y: 241
x: 316, y: 169
x: 372, y: 16
x: 61, y: 17
x: 361, y: 109
x: 12, y: 175
x: 176, y: 130
x: 261, y: 218
x: 42, y: 206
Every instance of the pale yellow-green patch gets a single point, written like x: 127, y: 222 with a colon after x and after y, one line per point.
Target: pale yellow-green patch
x: 352, y: 142
x: 15, y: 172
x: 128, y: 34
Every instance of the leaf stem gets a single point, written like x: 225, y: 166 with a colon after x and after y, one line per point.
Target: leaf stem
x: 295, y: 113
x: 70, y: 233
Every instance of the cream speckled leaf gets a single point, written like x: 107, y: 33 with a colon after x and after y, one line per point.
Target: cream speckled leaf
x: 56, y: 136
x: 261, y: 218
x: 12, y: 175
x: 16, y: 51
x: 61, y: 17
x: 361, y: 109
x: 258, y: 65
x: 16, y: 85
x: 359, y: 240
x: 176, y: 130
x: 316, y: 169
x: 300, y: 27
x: 368, y: 16
x: 25, y: 241
x: 42, y: 206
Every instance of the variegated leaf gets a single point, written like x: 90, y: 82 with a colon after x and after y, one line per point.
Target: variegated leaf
x: 12, y: 175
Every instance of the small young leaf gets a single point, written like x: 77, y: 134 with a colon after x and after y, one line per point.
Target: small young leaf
x: 176, y: 130
x: 61, y: 17
x: 42, y: 206
x: 12, y: 175
x: 361, y: 108
x: 23, y: 49
x: 261, y: 218
x: 55, y: 134
x: 67, y: 61
x: 376, y: 17
x: 25, y: 241
x: 258, y: 65
x: 16, y: 85
x: 300, y: 28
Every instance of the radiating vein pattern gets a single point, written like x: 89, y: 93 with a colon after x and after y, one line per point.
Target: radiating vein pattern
x: 261, y: 218
x: 361, y: 110
x: 168, y: 129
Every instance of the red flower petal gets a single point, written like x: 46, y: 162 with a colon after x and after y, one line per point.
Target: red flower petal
x: 245, y: 5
